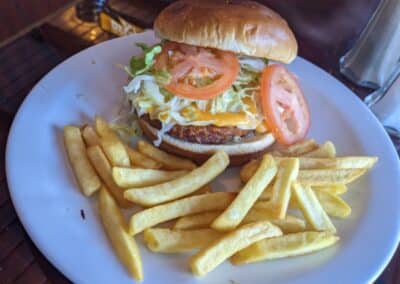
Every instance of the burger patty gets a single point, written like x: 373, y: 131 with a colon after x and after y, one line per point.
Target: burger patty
x: 208, y: 134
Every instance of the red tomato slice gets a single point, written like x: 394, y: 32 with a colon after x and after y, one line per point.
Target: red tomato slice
x: 187, y: 63
x: 283, y: 104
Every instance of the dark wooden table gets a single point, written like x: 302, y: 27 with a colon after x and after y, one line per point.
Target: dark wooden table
x: 325, y: 30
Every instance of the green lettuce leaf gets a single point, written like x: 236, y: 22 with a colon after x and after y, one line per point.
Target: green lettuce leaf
x: 139, y: 65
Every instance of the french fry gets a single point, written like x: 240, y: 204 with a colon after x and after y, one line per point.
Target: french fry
x: 181, y: 186
x: 290, y: 224
x: 362, y: 162
x: 281, y: 191
x: 237, y: 210
x: 103, y: 129
x: 90, y: 136
x: 264, y: 211
x: 300, y: 148
x: 168, y: 161
x: 248, y: 170
x: 311, y: 208
x: 221, y: 249
x: 173, y: 241
x: 329, y: 177
x: 182, y: 207
x: 115, y: 152
x: 129, y: 177
x: 333, y: 205
x: 116, y: 230
x: 103, y: 168
x: 112, y: 146
x: 88, y: 180
x: 350, y: 162
x: 284, y: 246
x: 264, y: 206
x: 267, y: 193
x: 202, y: 190
x: 197, y: 221
x: 334, y: 189
x: 140, y: 160
x: 326, y: 150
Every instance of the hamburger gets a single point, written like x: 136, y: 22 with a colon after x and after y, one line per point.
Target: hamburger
x: 217, y: 81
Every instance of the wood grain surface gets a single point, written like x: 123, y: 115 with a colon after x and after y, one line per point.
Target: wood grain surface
x: 325, y: 30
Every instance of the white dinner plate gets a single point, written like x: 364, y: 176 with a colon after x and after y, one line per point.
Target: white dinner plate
x: 48, y: 201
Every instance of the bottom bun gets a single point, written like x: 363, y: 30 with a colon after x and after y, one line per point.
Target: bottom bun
x: 239, y: 153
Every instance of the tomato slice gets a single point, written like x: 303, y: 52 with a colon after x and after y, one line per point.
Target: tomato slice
x: 283, y: 104
x: 189, y: 65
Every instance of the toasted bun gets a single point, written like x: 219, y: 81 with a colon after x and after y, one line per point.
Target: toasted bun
x: 239, y: 153
x: 244, y: 27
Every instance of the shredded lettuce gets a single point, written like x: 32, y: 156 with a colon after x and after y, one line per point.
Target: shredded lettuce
x: 135, y: 84
x: 126, y: 123
x: 162, y: 77
x: 141, y: 64
x: 253, y: 64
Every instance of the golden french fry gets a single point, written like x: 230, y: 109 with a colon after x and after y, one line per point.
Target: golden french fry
x: 276, y: 153
x: 281, y: 191
x: 115, y: 152
x: 249, y: 169
x: 182, y: 207
x: 103, y: 168
x: 293, y: 204
x: 264, y: 206
x: 234, y: 214
x: 311, y: 208
x: 290, y: 224
x: 90, y: 136
x: 112, y: 146
x: 181, y: 186
x: 285, y: 246
x: 85, y: 174
x: 103, y: 129
x: 314, y: 177
x: 333, y: 205
x: 196, y: 221
x: 221, y: 249
x: 136, y: 158
x: 306, y: 163
x: 173, y: 241
x: 350, y: 162
x: 202, y: 190
x: 168, y: 161
x: 334, y: 189
x: 326, y: 150
x: 129, y: 177
x: 140, y: 160
x: 267, y: 193
x: 116, y: 230
x: 300, y: 148
x: 328, y: 177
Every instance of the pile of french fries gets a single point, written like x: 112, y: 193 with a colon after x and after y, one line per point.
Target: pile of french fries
x: 283, y: 209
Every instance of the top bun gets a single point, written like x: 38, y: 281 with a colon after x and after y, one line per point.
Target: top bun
x: 243, y: 27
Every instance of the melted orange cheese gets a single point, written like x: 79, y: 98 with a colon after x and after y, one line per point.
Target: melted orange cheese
x: 262, y: 127
x: 192, y: 113
x: 218, y: 119
x: 223, y: 118
x: 250, y: 103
